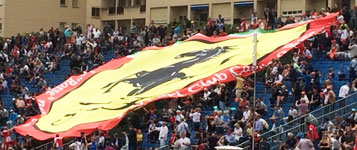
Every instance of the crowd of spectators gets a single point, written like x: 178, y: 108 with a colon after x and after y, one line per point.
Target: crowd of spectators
x: 26, y: 58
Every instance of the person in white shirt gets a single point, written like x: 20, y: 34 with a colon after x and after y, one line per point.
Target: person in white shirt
x: 292, y: 112
x: 179, y: 116
x: 353, y: 49
x: 308, y: 54
x: 304, y: 96
x: 96, y: 33
x: 335, y: 143
x: 126, y: 145
x: 182, y: 127
x: 156, y: 41
x: 340, y: 19
x: 344, y: 90
x: 196, y: 118
x: 246, y: 113
x: 278, y: 78
x: 205, y: 98
x: 183, y: 143
x: 101, y: 143
x: 163, y: 131
x: 238, y: 131
x: 76, y: 145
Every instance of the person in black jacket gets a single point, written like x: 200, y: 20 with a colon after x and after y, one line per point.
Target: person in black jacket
x: 263, y: 145
x: 132, y: 138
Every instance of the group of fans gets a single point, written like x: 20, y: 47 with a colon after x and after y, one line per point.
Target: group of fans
x: 183, y: 125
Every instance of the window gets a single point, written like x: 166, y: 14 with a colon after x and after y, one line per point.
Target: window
x: 128, y: 3
x: 142, y: 8
x: 0, y: 26
x: 292, y: 13
x: 120, y: 10
x: 95, y: 12
x: 75, y: 3
x: 61, y: 26
x: 137, y: 2
x: 111, y: 10
x: 121, y: 3
x: 63, y: 2
x: 182, y: 18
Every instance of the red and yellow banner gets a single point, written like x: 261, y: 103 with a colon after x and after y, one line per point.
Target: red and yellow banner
x: 101, y: 98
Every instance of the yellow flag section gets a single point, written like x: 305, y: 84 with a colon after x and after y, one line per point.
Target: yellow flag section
x: 110, y: 93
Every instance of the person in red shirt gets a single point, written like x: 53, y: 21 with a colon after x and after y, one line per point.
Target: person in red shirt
x: 312, y: 133
x: 173, y: 137
x: 6, y: 135
x: 222, y: 33
x: 57, y: 142
x: 243, y: 26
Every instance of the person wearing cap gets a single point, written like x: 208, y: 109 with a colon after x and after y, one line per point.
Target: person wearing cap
x: 20, y: 119
x: 178, y: 116
x: 12, y: 118
x: 353, y: 116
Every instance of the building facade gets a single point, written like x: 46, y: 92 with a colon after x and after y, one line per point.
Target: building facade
x: 26, y: 16
x: 123, y: 13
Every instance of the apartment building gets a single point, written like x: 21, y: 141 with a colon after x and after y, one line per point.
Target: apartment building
x: 123, y: 13
x: 26, y: 16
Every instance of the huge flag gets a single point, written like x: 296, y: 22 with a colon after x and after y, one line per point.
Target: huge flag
x: 100, y: 99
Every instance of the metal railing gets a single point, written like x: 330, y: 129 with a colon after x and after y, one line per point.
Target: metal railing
x: 167, y: 147
x: 48, y: 146
x: 298, y: 125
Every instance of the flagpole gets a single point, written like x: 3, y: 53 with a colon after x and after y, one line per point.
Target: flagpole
x: 255, y: 81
